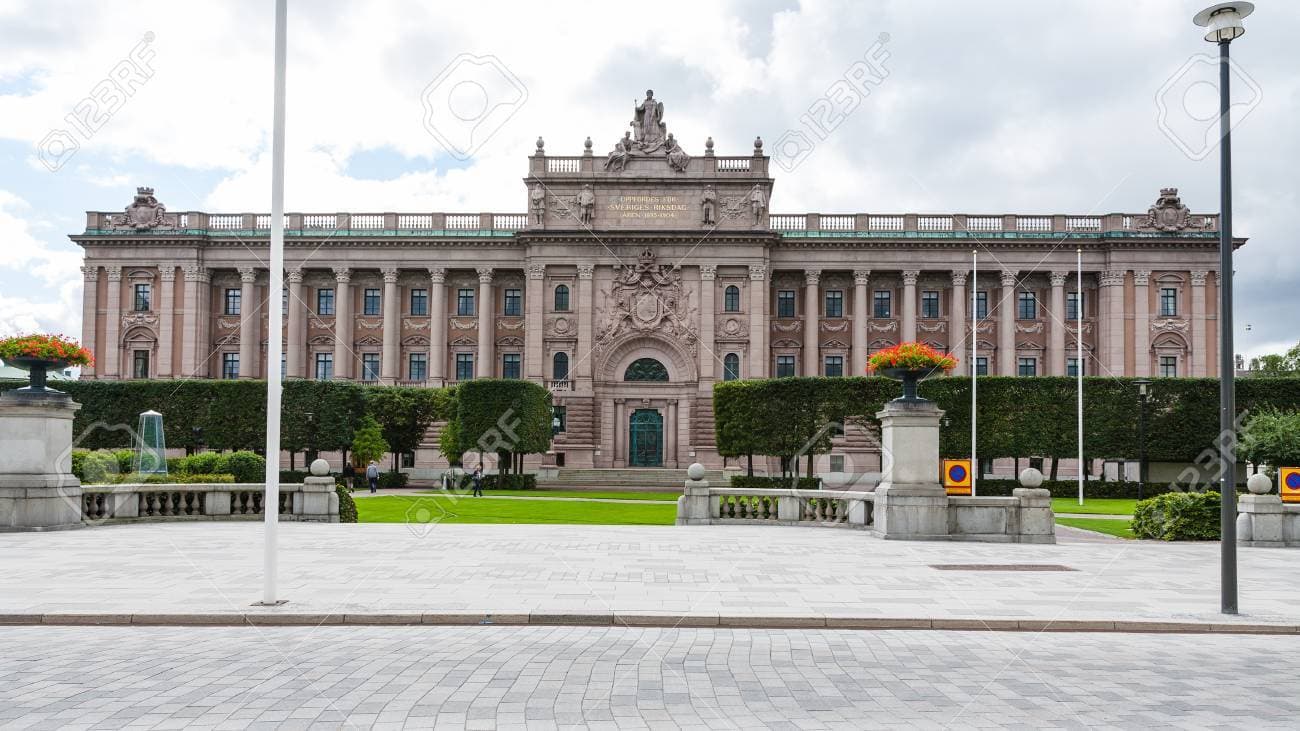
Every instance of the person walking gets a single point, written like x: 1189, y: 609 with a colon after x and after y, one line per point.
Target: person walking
x: 478, y: 481
x: 372, y: 476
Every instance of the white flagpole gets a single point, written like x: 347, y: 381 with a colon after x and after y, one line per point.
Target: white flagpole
x: 1078, y: 369
x: 974, y: 345
x: 271, y: 504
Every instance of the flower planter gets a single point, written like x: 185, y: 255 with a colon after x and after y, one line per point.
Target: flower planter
x: 910, y: 377
x: 37, y: 370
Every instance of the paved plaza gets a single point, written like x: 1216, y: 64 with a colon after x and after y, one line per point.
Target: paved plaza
x: 697, y: 575
x: 584, y: 677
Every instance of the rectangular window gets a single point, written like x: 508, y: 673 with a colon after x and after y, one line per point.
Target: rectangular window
x: 510, y: 365
x: 1028, y: 367
x: 785, y: 303
x: 1072, y: 367
x: 233, y: 304
x: 881, y: 305
x: 324, y: 366
x: 1168, y: 302
x: 514, y: 303
x: 1026, y: 306
x: 559, y: 419
x: 1168, y: 366
x: 837, y: 463
x: 1072, y: 304
x: 141, y: 298
x: 981, y: 305
x: 370, y: 302
x: 834, y: 303
x: 408, y: 459
x: 785, y: 366
x: 419, y: 302
x: 324, y: 301
x: 464, y: 366
x: 834, y: 365
x: 930, y: 304
x: 465, y: 302
x: 284, y: 302
x: 370, y: 366
x: 140, y: 364
x: 981, y: 366
x: 230, y: 365
x: 417, y: 367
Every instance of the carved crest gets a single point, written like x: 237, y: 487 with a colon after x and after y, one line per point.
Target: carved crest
x: 647, y: 297
x: 145, y: 212
x: 1168, y: 213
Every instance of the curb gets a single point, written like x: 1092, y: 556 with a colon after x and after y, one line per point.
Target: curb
x: 638, y: 619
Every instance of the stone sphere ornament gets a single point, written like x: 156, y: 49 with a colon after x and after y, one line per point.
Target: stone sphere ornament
x: 695, y: 471
x: 1031, y: 478
x: 1259, y: 484
x: 320, y: 468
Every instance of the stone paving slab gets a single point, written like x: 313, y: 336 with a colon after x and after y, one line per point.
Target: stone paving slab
x: 553, y: 574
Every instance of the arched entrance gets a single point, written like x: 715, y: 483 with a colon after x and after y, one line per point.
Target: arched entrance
x: 646, y: 439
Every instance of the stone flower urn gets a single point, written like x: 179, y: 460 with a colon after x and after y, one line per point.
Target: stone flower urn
x: 910, y: 377
x: 37, y: 371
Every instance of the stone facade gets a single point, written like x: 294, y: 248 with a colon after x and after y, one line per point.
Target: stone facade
x: 632, y: 284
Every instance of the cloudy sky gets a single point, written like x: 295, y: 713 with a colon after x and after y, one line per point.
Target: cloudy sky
x: 986, y: 107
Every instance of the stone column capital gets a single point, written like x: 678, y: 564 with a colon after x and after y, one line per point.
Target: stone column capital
x: 247, y: 275
x: 585, y: 271
x: 167, y: 272
x: 390, y: 275
x: 708, y: 272
x: 90, y: 273
x: 1141, y: 277
x: 1198, y: 277
x: 862, y: 276
x: 294, y: 276
x: 959, y: 278
x: 812, y: 277
x: 194, y: 273
x: 484, y: 275
x: 910, y: 276
x: 342, y: 275
x: 1112, y: 278
x: 437, y: 275
x: 114, y: 273
x: 1008, y: 279
x: 757, y: 272
x: 536, y: 271
x: 620, y: 401
x: 1058, y: 278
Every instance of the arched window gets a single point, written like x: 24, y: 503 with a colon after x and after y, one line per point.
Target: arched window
x: 562, y: 298
x: 731, y: 367
x: 560, y: 367
x: 646, y: 369
x: 731, y: 299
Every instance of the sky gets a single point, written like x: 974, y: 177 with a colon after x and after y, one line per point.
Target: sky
x: 990, y: 107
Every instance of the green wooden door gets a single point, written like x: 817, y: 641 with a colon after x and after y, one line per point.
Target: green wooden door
x: 646, y: 445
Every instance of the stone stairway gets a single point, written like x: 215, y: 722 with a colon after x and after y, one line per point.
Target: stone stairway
x: 625, y: 479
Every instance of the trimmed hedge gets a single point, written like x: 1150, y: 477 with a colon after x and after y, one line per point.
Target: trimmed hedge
x: 387, y: 480
x: 1178, y: 516
x: 347, y: 506
x: 506, y: 482
x: 245, y: 466
x: 1070, y: 488
x: 774, y: 483
x: 502, y: 415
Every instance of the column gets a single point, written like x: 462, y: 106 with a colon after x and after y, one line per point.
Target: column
x: 811, y: 278
x: 909, y: 306
x: 586, y: 317
x: 196, y: 278
x: 958, y: 345
x: 113, y: 324
x: 342, y: 323
x: 670, y: 434
x: 1007, y: 326
x: 1113, y: 281
x: 1198, y: 350
x: 437, y: 326
x: 757, y: 366
x: 1058, y: 325
x: 90, y: 312
x: 296, y: 338
x: 861, y: 300
x: 390, y: 367
x: 163, y: 306
x: 486, y: 366
x: 708, y: 318
x: 1141, y: 323
x: 620, y: 424
x: 534, y: 307
x: 249, y: 316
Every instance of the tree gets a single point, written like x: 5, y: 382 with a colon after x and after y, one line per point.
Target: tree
x: 509, y: 417
x: 404, y: 414
x: 1282, y: 365
x: 1271, y: 438
x: 369, y: 443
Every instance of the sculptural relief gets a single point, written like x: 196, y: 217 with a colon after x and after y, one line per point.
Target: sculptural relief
x: 144, y: 213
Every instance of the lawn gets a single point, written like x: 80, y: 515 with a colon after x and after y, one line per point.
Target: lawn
x: 594, y: 494
x: 1109, y: 526
x: 457, y: 509
x: 1094, y: 506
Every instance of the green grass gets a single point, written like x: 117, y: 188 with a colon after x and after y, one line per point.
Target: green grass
x: 1109, y: 526
x: 456, y: 509
x: 1094, y: 506
x: 595, y: 494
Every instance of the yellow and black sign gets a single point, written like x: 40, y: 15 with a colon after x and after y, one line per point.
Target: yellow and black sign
x: 1288, y: 484
x: 956, y: 476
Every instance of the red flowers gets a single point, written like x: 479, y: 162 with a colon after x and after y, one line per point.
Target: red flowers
x: 916, y: 356
x: 45, y: 347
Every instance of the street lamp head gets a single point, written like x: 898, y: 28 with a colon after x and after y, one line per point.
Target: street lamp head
x: 1222, y: 22
x: 1144, y: 387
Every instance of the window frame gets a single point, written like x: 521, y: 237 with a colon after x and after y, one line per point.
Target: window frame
x: 558, y: 373
x: 833, y: 297
x: 465, y: 304
x: 785, y: 303
x: 930, y: 297
x: 981, y: 365
x: 786, y: 362
x: 1169, y: 302
x: 512, y: 362
x: 136, y: 357
x: 325, y: 301
x: 229, y: 366
x: 981, y: 304
x: 512, y: 302
x: 730, y: 372
x: 423, y: 360
x: 420, y: 296
x: 731, y: 298
x: 233, y: 302
x: 372, y: 302
x: 466, y: 361
x: 838, y: 366
x: 1024, y: 298
x: 136, y: 300
x: 368, y: 374
x: 1073, y: 306
x: 558, y: 304
x: 325, y: 360
x: 1172, y: 366
x: 885, y: 296
x: 1026, y: 361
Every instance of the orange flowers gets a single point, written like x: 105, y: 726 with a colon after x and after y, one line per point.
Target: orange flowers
x: 45, y: 347
x: 914, y: 356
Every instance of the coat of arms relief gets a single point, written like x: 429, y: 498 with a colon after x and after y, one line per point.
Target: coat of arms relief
x: 647, y: 297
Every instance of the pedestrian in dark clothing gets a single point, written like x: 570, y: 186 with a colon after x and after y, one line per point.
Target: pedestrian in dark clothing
x: 478, y: 482
x: 372, y: 476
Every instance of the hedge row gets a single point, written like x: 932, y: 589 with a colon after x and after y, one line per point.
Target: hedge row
x: 1069, y: 489
x: 1018, y: 417
x: 1179, y: 516
x: 757, y: 482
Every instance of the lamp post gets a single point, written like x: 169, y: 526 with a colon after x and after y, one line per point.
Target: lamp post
x: 1222, y: 24
x: 1144, y: 395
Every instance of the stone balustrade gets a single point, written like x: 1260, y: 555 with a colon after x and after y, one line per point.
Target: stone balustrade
x: 314, y: 502
x: 790, y: 507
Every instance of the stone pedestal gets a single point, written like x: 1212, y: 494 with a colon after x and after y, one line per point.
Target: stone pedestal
x: 317, y: 501
x: 37, y: 489
x: 695, y: 507
x: 910, y: 502
x: 1037, y: 521
x: 1262, y: 521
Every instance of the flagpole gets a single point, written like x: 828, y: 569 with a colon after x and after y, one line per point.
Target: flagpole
x: 1078, y: 359
x: 271, y: 504
x: 974, y: 345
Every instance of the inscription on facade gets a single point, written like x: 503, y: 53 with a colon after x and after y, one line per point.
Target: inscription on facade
x: 645, y: 207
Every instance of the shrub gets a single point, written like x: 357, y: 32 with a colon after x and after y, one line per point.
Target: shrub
x: 1178, y: 516
x: 1070, y: 488
x: 293, y: 477
x: 347, y: 506
x: 97, y: 468
x: 745, y: 482
x: 508, y: 482
x: 391, y: 479
x: 204, y: 462
x: 189, y: 479
x: 245, y: 466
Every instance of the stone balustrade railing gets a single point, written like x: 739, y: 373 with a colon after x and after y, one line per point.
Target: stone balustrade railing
x: 790, y: 507
x: 205, y: 501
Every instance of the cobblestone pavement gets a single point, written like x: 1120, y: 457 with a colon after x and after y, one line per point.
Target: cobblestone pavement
x: 574, y: 677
